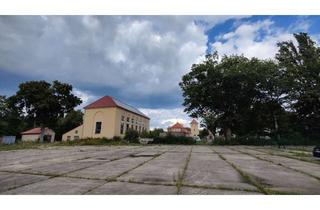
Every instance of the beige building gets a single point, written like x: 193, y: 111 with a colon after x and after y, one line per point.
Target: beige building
x: 194, y: 128
x: 179, y: 130
x: 108, y: 117
x: 33, y: 135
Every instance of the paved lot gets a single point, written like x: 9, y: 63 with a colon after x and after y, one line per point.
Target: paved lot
x: 159, y: 170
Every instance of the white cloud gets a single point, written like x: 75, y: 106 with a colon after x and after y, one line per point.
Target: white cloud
x: 86, y: 97
x: 258, y: 39
x: 162, y: 118
x: 140, y: 55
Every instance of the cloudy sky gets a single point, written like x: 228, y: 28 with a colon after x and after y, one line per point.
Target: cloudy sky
x: 137, y: 59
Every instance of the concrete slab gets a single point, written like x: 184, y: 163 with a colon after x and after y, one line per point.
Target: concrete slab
x: 60, y: 168
x: 11, y: 180
x: 201, y: 149
x: 109, y: 169
x: 224, y: 150
x: 275, y: 177
x: 100, y: 162
x: 125, y: 188
x: 163, y: 169
x: 210, y: 170
x: 202, y: 191
x: 310, y: 168
x: 59, y: 186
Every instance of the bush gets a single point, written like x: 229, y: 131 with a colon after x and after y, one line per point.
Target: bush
x: 292, y: 139
x: 174, y: 140
x: 132, y: 136
x: 247, y: 140
x: 116, y: 138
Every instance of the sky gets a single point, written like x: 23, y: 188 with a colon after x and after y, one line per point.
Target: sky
x: 137, y: 59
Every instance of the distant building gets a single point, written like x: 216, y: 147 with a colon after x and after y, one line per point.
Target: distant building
x: 108, y: 117
x: 194, y: 128
x: 178, y: 130
x: 34, y: 135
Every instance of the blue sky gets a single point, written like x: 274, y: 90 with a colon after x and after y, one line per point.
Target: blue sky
x: 137, y: 59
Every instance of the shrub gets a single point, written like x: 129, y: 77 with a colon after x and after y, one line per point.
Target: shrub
x: 132, y: 136
x: 116, y: 138
x: 174, y: 140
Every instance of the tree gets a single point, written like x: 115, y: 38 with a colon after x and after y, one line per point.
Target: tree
x: 203, y: 133
x: 68, y: 122
x: 11, y: 120
x: 44, y: 103
x: 300, y: 64
x: 222, y: 90
x: 132, y: 136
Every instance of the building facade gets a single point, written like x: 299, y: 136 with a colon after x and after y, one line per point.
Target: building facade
x: 179, y: 130
x: 33, y: 135
x: 108, y: 117
x: 194, y: 125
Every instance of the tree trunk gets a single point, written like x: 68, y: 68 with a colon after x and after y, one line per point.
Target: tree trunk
x: 42, y: 129
x: 227, y: 133
x: 276, y: 128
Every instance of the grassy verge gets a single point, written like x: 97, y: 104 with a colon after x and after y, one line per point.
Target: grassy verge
x: 279, y: 164
x: 82, y: 142
x: 182, y: 175
x: 301, y: 158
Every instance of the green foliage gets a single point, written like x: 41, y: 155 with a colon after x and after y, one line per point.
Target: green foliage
x: 132, y: 136
x: 44, y: 103
x: 300, y: 65
x: 117, y: 138
x: 152, y: 134
x: 203, y: 133
x: 12, y: 122
x: 247, y: 97
x: 292, y: 139
x: 174, y: 140
x: 68, y: 122
x: 91, y: 141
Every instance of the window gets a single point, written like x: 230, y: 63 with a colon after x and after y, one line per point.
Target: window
x: 76, y: 131
x: 136, y: 128
x: 127, y: 127
x: 76, y: 138
x: 132, y: 120
x: 98, y: 128
x: 121, y: 128
x: 128, y: 119
x: 68, y: 138
x: 122, y: 118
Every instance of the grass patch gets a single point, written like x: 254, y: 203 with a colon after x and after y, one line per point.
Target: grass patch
x: 182, y: 175
x: 81, y: 142
x: 23, y: 145
x: 288, y: 156
x: 245, y: 175
x: 280, y: 164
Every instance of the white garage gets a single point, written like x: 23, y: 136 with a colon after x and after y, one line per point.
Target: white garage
x: 33, y: 135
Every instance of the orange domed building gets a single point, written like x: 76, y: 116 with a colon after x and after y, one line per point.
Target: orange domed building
x: 179, y: 130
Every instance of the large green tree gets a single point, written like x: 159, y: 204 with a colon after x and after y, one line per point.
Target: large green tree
x: 300, y: 63
x: 12, y: 122
x: 68, y: 122
x: 43, y: 103
x: 241, y: 95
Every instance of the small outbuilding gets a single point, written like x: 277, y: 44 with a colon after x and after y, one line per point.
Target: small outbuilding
x: 33, y: 135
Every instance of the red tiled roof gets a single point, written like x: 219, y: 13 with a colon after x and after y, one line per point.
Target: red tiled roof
x: 103, y: 102
x: 32, y: 131
x: 194, y: 121
x: 108, y: 101
x: 177, y: 125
